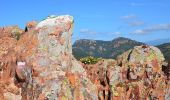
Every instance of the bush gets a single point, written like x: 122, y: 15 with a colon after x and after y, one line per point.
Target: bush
x: 16, y: 33
x: 17, y: 36
x: 90, y: 60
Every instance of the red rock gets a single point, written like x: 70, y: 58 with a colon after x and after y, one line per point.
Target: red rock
x: 31, y: 25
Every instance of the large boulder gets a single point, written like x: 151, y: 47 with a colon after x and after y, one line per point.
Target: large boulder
x: 43, y: 65
x: 55, y: 72
x: 139, y: 75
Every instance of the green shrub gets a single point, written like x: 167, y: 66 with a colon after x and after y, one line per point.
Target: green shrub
x: 16, y: 34
x: 90, y: 60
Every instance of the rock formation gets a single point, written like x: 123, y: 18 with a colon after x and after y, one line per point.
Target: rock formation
x: 37, y: 64
x: 40, y: 64
x: 135, y: 75
x: 144, y: 76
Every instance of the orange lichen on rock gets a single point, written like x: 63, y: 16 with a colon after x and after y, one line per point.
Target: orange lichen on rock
x: 10, y: 31
x: 71, y: 78
x: 26, y: 46
x: 31, y: 24
x: 41, y: 97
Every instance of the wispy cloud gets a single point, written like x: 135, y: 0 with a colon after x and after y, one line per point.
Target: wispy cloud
x: 136, y: 23
x: 92, y: 32
x: 151, y: 29
x: 137, y: 4
x: 87, y: 31
x: 117, y: 33
x: 132, y: 20
x: 128, y: 17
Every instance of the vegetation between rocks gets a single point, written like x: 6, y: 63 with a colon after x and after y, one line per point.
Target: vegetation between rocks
x: 90, y: 60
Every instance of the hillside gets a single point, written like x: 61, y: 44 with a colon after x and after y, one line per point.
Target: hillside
x: 104, y: 49
x: 165, y: 49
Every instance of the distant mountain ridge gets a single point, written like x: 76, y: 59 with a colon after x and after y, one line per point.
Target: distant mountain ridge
x: 165, y: 49
x: 158, y: 42
x: 104, y: 49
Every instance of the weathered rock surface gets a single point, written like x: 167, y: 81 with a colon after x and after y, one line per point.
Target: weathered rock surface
x: 144, y: 76
x: 135, y: 75
x: 54, y: 75
x: 40, y: 65
x: 37, y: 64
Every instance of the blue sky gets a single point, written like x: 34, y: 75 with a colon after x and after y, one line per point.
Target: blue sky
x: 141, y: 20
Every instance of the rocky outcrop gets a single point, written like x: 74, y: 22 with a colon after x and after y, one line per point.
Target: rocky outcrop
x: 40, y: 64
x: 37, y: 64
x: 97, y: 73
x: 56, y: 74
x: 144, y: 76
x: 8, y: 41
x: 135, y: 75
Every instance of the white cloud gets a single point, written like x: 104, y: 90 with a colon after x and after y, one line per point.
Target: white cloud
x: 139, y: 31
x: 151, y: 29
x: 132, y: 20
x: 84, y: 30
x: 117, y: 33
x: 128, y: 17
x: 136, y: 23
x: 137, y: 4
x: 88, y: 31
